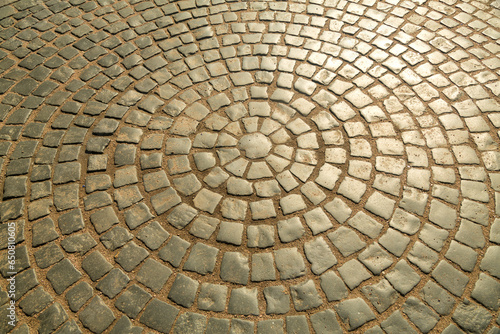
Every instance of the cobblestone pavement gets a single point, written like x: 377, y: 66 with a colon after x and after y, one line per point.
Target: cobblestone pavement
x: 215, y: 166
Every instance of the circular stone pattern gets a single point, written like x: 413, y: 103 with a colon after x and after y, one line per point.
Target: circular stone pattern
x: 212, y: 166
x: 255, y: 145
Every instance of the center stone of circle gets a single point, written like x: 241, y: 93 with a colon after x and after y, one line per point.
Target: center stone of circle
x: 255, y: 145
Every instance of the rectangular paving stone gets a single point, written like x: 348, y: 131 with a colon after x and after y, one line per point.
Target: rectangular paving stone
x: 450, y: 278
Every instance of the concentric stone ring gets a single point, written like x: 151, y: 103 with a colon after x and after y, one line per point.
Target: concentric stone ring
x: 213, y: 166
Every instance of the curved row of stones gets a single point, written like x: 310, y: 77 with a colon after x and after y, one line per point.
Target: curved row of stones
x: 258, y: 165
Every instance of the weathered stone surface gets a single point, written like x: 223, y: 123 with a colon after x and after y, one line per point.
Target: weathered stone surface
x: 62, y: 275
x: 193, y: 137
x: 51, y: 318
x: 355, y: 312
x: 97, y: 317
x: 159, y: 316
x: 471, y: 317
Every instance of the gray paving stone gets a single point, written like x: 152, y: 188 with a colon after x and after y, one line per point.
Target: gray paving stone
x: 103, y: 219
x: 353, y: 273
x: 325, y: 322
x: 97, y: 317
x: 381, y: 295
x: 207, y: 200
x: 113, y: 283
x: 305, y: 296
x: 365, y: 224
x: 375, y: 258
x: 231, y: 233
x: 78, y: 243
x: 319, y: 255
x: 486, y: 291
x: 165, y: 200
x: 395, y: 323
x: 132, y: 301
x: 51, y: 318
x: 470, y: 234
x: 494, y: 330
x: 11, y: 209
x: 346, y: 241
x: 495, y: 231
x: 115, y: 238
x: 317, y: 220
x: 22, y: 261
x: 174, y: 251
x: 263, y: 267
x: 204, y: 226
x: 277, y: 300
x: 290, y: 229
x: 78, y: 295
x: 235, y: 268
x: 355, y: 312
x: 434, y: 237
x: 262, y: 210
x: 69, y: 327
x: 421, y: 315
x: 403, y: 277
x: 270, y: 326
x: 125, y: 325
x: 319, y: 42
x: 490, y: 259
x: 25, y: 281
x: 43, y: 231
x: 423, y: 257
x: 464, y: 256
x: 35, y: 301
x: 474, y: 211
x: 153, y: 274
x: 452, y: 329
x: 131, y: 255
x: 153, y: 235
x: 261, y: 236
x: 66, y: 197
x: 14, y: 186
x: 297, y: 324
x: 413, y: 201
x: 242, y: 326
x: 159, y: 316
x: 292, y: 203
x: 137, y: 215
x: 394, y: 241
x: 192, y: 322
x: 212, y: 297
x: 440, y: 300
x: 243, y: 301
x: 96, y: 266
x: 17, y: 234
x: 62, y: 275
x: 450, y: 278
x: 155, y: 180
x: 202, y: 259
x: 289, y: 263
x: 472, y: 318
x: 181, y: 215
x: 216, y: 325
x: 183, y: 290
x: 127, y: 196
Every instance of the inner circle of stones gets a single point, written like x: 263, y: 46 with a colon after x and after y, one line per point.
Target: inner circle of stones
x: 217, y: 159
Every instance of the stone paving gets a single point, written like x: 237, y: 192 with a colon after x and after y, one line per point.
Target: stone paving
x: 218, y: 166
